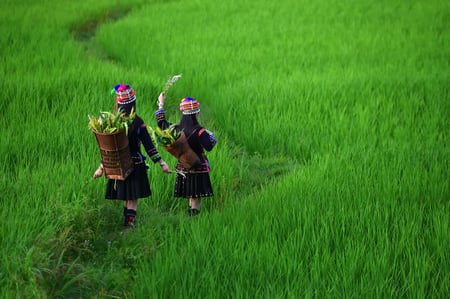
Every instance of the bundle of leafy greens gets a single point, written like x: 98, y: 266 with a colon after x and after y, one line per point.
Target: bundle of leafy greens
x: 111, y: 123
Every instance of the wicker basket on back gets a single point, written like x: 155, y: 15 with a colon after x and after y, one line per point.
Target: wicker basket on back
x: 181, y: 150
x: 115, y: 153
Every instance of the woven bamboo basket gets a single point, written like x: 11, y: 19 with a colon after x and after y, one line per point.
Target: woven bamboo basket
x: 181, y: 150
x: 115, y: 153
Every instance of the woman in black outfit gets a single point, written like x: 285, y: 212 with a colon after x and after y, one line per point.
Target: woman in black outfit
x: 192, y: 183
x: 136, y: 185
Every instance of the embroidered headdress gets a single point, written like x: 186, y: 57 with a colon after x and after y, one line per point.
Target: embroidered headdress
x: 125, y: 97
x: 189, y: 106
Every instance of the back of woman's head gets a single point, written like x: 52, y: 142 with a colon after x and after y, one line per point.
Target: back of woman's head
x: 189, y: 121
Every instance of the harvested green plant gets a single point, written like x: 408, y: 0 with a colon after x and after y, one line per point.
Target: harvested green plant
x: 109, y: 122
x: 168, y: 136
x: 171, y: 81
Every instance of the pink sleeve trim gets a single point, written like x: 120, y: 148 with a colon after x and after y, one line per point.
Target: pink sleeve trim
x: 200, y: 132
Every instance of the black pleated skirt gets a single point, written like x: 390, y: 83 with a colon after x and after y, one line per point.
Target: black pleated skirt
x: 134, y: 187
x: 195, y: 185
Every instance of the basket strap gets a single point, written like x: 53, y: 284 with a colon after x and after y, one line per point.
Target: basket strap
x: 198, y: 129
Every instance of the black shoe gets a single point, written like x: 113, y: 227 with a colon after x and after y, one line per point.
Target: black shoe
x: 130, y: 218
x: 130, y: 221
x: 193, y: 212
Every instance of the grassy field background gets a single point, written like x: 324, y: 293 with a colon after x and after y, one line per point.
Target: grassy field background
x: 331, y: 172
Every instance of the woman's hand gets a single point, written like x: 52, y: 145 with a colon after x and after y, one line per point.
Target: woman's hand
x: 164, y: 167
x: 161, y: 99
x: 98, y: 172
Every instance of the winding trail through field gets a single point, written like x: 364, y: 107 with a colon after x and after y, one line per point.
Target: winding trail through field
x: 86, y: 32
x: 269, y: 168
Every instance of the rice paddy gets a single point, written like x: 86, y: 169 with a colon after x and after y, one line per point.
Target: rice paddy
x: 331, y: 171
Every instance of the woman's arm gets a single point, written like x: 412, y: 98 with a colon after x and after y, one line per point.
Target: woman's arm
x: 207, y: 139
x: 146, y: 140
x: 160, y: 114
x: 150, y: 148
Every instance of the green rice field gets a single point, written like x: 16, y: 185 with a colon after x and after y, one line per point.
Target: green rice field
x: 331, y: 172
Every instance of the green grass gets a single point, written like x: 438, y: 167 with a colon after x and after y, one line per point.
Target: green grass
x: 331, y: 172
